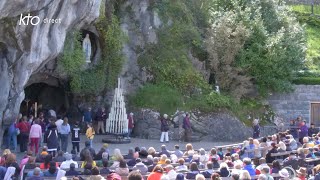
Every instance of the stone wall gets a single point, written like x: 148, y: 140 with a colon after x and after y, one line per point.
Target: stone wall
x: 213, y: 127
x: 297, y: 103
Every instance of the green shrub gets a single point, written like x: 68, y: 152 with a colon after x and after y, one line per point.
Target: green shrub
x: 307, y: 80
x: 93, y: 81
x: 158, y: 97
x: 72, y: 59
x: 208, y: 102
x: 306, y: 9
x: 312, y: 27
x: 165, y: 99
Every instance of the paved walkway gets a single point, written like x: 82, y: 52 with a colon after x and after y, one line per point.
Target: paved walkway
x: 136, y: 142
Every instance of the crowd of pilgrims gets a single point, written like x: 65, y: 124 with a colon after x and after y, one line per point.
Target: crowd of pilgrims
x: 250, y: 159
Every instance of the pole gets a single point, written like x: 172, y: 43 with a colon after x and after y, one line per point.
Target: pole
x: 35, y: 109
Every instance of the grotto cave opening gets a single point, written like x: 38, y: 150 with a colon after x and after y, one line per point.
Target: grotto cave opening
x: 46, y: 97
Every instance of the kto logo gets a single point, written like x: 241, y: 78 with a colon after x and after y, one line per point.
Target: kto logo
x: 35, y: 20
x: 25, y: 20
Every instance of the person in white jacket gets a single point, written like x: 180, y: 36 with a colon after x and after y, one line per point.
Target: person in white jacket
x: 171, y: 173
x: 66, y: 164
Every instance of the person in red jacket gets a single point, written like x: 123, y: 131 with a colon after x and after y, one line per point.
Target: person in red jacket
x: 24, y: 128
x: 130, y: 125
x: 156, y: 174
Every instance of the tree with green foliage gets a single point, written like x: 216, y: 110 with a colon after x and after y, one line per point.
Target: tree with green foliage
x: 273, y: 50
x: 168, y: 61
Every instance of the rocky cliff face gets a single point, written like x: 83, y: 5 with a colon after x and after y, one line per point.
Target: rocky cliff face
x: 26, y: 48
x: 207, y: 127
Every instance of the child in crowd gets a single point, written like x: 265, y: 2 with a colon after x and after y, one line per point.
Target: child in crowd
x: 90, y: 133
x: 75, y: 137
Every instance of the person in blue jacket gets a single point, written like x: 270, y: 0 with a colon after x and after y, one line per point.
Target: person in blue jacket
x: 249, y: 167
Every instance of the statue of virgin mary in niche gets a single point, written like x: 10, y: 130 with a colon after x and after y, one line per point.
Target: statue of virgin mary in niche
x: 86, y: 46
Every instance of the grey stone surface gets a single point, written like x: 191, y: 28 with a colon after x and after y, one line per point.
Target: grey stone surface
x: 137, y: 22
x: 297, y: 103
x: 26, y: 48
x: 209, y: 127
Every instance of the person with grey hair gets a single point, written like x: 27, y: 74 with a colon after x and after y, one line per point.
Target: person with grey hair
x: 66, y: 164
x: 164, y: 129
x: 164, y: 151
x: 266, y: 171
x: 155, y: 162
x: 140, y: 167
x: 36, y: 174
x: 262, y: 163
x: 200, y: 177
x: 204, y: 158
x: 148, y: 161
x: 130, y: 125
x: 248, y: 166
x: 256, y: 129
x: 171, y: 173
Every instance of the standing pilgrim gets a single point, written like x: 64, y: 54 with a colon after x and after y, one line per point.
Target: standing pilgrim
x: 24, y: 128
x: 256, y: 129
x: 164, y: 128
x: 101, y: 118
x: 187, y: 128
x: 52, y: 138
x: 130, y: 125
x: 303, y: 131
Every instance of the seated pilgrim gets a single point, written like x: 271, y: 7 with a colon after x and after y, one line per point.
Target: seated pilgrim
x: 72, y: 171
x: 66, y: 164
x: 164, y: 151
x: 105, y: 170
x: 130, y: 154
x: 36, y: 174
x: 102, y: 150
x: 75, y: 157
x: 140, y: 167
x: 90, y: 149
x: 59, y: 157
x: 52, y: 171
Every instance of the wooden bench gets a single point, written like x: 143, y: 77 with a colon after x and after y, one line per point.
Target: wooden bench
x: 286, y: 153
x: 309, y: 160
